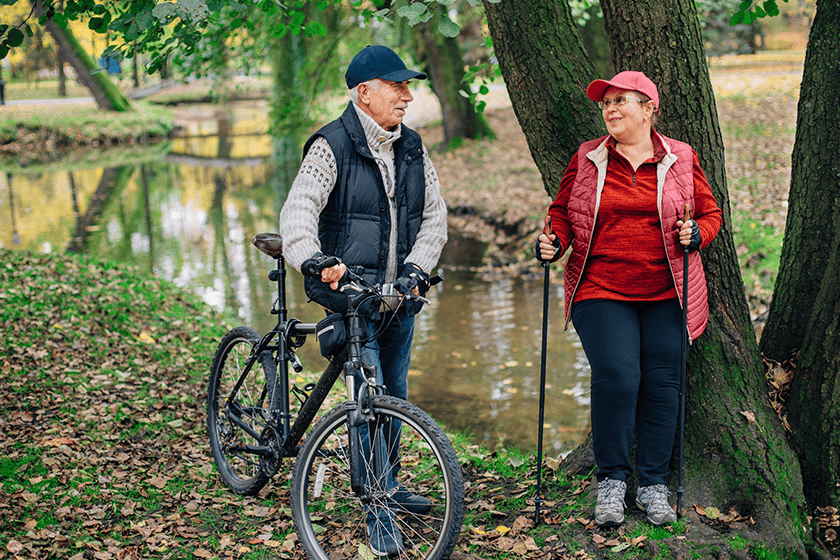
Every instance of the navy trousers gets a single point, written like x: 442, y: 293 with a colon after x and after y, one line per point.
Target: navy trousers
x: 634, y: 351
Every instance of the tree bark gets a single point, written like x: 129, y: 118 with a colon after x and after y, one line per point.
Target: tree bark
x: 546, y: 72
x: 105, y: 93
x: 814, y: 196
x: 444, y: 63
x: 731, y: 460
x: 804, y: 313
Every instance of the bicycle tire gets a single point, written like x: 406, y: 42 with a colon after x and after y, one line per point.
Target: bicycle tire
x: 331, y: 521
x: 240, y: 471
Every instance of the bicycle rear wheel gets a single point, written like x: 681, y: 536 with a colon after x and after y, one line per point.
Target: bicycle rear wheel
x: 235, y: 419
x: 330, y: 519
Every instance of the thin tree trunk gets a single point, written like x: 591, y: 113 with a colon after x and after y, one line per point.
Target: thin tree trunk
x: 805, y: 312
x: 105, y: 93
x: 444, y: 64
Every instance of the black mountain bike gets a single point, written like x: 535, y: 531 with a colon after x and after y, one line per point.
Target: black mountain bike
x: 357, y: 459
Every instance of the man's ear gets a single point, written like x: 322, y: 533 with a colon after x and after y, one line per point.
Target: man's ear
x: 363, y: 90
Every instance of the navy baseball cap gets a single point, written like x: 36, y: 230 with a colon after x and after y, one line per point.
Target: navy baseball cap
x: 377, y: 61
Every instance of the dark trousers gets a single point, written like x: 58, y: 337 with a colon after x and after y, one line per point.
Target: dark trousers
x: 634, y: 351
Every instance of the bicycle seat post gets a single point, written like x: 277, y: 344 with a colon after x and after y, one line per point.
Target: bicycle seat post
x: 280, y: 277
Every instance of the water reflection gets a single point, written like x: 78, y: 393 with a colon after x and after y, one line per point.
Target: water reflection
x: 188, y: 215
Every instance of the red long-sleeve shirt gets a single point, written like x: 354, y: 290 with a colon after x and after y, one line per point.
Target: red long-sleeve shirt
x: 627, y: 258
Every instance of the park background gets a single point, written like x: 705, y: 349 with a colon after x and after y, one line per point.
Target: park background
x: 180, y: 190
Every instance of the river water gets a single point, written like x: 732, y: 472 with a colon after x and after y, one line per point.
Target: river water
x: 187, y: 210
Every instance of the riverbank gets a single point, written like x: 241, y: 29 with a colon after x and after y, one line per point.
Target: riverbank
x: 40, y: 133
x: 103, y: 448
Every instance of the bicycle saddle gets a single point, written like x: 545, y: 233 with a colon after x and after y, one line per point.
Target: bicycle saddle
x: 269, y: 243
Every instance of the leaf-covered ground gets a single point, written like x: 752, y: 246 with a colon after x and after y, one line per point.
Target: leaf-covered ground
x: 104, y: 455
x: 103, y: 452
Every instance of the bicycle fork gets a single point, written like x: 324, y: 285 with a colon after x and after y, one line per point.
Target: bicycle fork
x: 369, y: 462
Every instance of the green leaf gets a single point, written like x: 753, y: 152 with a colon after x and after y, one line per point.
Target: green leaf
x: 4, y: 50
x: 736, y: 19
x: 411, y: 11
x: 280, y: 30
x: 745, y: 5
x: 15, y: 37
x: 60, y: 20
x: 297, y: 20
x: 144, y: 20
x: 483, y: 90
x: 760, y: 12
x: 315, y: 29
x: 488, y: 42
x: 771, y: 7
x: 447, y: 27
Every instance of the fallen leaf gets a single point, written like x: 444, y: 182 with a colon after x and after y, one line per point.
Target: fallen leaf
x: 146, y: 338
x: 750, y: 416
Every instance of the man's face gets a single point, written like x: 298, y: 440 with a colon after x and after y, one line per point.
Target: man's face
x: 386, y: 105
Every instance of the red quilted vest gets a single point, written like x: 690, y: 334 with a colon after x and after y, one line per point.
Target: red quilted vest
x: 675, y: 189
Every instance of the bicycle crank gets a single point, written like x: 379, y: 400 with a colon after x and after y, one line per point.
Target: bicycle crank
x: 271, y: 439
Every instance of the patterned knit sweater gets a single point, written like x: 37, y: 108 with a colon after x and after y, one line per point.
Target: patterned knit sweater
x: 316, y: 179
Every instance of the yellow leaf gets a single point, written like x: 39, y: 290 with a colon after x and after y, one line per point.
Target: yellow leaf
x: 502, y: 529
x: 145, y: 338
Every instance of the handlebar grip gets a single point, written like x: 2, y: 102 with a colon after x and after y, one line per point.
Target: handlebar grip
x: 436, y: 279
x: 313, y: 267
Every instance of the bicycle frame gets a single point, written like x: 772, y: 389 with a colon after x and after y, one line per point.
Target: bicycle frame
x: 345, y: 362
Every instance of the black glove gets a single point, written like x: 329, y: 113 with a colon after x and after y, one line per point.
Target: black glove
x: 313, y: 266
x: 694, y: 242
x: 413, y: 277
x: 538, y: 253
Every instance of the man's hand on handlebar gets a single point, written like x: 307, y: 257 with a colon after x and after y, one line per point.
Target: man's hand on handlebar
x: 413, y: 280
x: 330, y: 269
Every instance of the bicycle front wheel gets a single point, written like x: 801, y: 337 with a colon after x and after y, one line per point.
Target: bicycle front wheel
x: 237, y: 416
x: 333, y: 522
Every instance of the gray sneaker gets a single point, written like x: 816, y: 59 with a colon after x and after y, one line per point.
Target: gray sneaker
x: 653, y: 500
x: 609, y: 510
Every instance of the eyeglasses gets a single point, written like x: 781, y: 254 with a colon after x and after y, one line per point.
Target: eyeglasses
x: 619, y: 101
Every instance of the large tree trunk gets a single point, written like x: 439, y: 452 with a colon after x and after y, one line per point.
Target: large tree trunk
x: 730, y: 460
x: 444, y: 63
x: 546, y: 71
x: 805, y: 309
x: 105, y: 93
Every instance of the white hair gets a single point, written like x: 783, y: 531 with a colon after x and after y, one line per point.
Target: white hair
x: 374, y: 84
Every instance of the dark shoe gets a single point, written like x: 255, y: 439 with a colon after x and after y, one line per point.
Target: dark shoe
x: 385, y: 536
x: 609, y: 510
x: 412, y: 503
x: 653, y: 500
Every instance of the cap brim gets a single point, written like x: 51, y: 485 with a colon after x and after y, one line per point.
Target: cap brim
x: 596, y: 90
x: 402, y: 76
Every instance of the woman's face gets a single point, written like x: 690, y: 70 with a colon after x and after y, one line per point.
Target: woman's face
x: 629, y: 121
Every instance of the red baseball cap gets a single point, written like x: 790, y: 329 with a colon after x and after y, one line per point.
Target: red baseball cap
x: 635, y: 81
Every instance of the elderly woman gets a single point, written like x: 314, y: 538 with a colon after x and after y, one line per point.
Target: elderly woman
x: 621, y: 207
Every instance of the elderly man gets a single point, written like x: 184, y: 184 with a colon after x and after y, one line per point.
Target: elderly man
x: 368, y: 193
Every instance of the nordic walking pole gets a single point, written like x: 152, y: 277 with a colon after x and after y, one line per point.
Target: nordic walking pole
x: 547, y: 266
x: 684, y: 352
